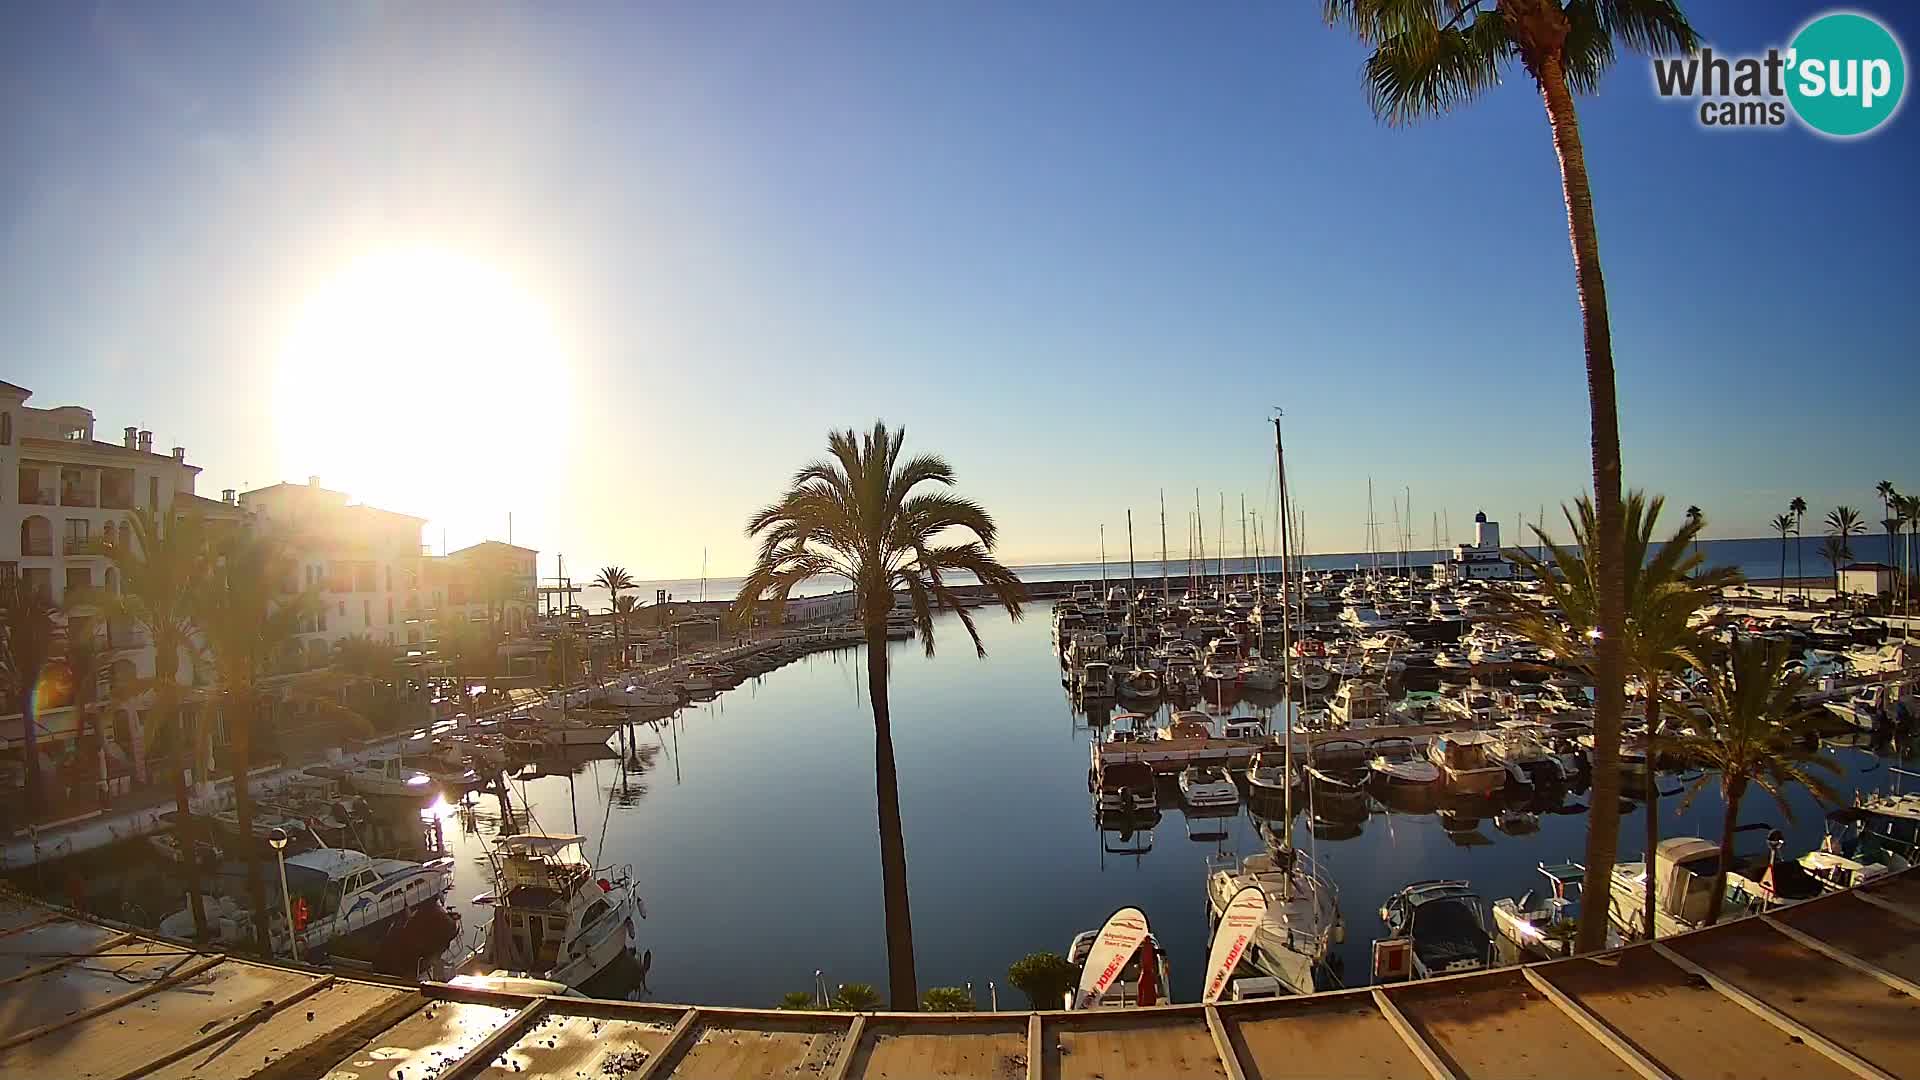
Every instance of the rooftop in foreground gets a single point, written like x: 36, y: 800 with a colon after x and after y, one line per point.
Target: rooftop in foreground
x: 1823, y: 989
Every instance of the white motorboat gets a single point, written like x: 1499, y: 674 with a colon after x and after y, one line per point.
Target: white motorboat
x: 1096, y: 681
x: 337, y: 892
x: 1259, y: 674
x: 1183, y: 676
x: 1358, y: 704
x: 1267, y: 774
x: 1243, y: 727
x: 1545, y: 928
x: 1466, y: 765
x: 1444, y: 926
x: 389, y: 776
x: 1684, y: 876
x: 1302, y: 922
x: 1522, y: 746
x: 554, y: 915
x: 1221, y: 672
x: 1395, y: 766
x: 1207, y: 787
x: 1126, y: 787
x: 1188, y: 724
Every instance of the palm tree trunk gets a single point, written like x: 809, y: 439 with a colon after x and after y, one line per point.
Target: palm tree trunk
x: 1650, y: 795
x: 1603, y: 821
x: 1732, y: 789
x: 902, y: 987
x: 35, y: 799
x: 186, y: 834
x: 1783, y: 565
x: 1799, y: 564
x: 242, y: 718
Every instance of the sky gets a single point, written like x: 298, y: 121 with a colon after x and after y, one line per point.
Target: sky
x: 616, y: 269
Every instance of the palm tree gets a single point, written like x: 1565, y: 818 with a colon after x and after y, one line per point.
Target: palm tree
x: 162, y: 562
x: 1695, y: 514
x: 1835, y: 552
x: 856, y: 515
x: 1665, y: 586
x: 1429, y: 57
x: 84, y: 653
x: 615, y: 579
x: 624, y: 608
x: 1907, y: 507
x: 1887, y: 494
x: 1752, y: 727
x: 1798, y: 507
x: 1782, y: 524
x: 245, y: 623
x: 26, y: 621
x: 1844, y: 522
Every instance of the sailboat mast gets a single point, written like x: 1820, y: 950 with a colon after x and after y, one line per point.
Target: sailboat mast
x: 1286, y: 630
x: 1221, y: 546
x: 1165, y: 595
x: 1103, y: 562
x: 1243, y: 538
x: 1130, y: 579
x: 1199, y: 531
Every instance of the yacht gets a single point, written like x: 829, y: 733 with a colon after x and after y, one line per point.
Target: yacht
x: 1302, y: 922
x: 1444, y: 924
x: 554, y: 916
x: 1684, y: 875
x: 1259, y: 674
x: 1522, y: 746
x: 1465, y: 762
x: 1096, y: 681
x: 1243, y: 727
x: 1188, y: 724
x: 1183, y: 676
x: 1395, y: 767
x: 1208, y: 786
x: 551, y: 729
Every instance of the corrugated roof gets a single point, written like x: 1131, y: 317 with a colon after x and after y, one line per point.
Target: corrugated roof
x: 1821, y: 989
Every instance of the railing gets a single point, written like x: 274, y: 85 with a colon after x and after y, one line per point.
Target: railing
x: 77, y: 497
x: 37, y: 547
x: 90, y: 545
x: 37, y: 497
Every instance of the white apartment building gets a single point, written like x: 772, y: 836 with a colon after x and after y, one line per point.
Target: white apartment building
x: 62, y: 492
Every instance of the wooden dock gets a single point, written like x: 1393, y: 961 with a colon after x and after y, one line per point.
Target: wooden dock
x: 1828, y: 988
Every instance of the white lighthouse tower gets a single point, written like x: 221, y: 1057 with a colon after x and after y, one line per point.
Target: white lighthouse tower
x: 1480, y: 560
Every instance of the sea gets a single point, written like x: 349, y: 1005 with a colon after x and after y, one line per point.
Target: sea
x: 1757, y: 558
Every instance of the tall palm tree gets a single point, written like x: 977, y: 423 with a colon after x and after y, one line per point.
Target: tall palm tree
x: 1844, y: 522
x: 84, y: 653
x: 1665, y: 586
x: 1782, y: 524
x: 1695, y: 514
x: 1887, y: 494
x: 245, y: 623
x: 1907, y: 508
x: 1798, y: 507
x: 856, y: 515
x: 624, y: 608
x: 1753, y: 726
x: 161, y: 562
x: 616, y: 580
x: 27, y: 626
x: 1431, y: 55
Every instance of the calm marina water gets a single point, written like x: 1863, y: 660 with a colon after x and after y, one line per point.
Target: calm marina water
x: 751, y: 830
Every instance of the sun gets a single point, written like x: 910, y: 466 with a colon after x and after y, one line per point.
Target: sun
x: 412, y: 381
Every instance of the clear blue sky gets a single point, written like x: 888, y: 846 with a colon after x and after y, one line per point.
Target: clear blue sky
x: 1080, y: 248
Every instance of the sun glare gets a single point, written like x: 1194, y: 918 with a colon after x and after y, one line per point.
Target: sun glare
x: 408, y: 379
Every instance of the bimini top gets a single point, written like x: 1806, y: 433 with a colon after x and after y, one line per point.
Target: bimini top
x: 540, y: 843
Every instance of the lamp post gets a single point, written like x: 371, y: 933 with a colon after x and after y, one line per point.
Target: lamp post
x: 278, y: 838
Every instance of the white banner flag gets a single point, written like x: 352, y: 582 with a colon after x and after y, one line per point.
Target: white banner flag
x: 1113, y: 946
x: 1231, y: 938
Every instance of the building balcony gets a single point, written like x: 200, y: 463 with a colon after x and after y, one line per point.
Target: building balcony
x: 37, y: 496
x: 42, y: 548
x: 91, y: 547
x: 78, y: 497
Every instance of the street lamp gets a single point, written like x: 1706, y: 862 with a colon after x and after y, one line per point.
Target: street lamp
x: 278, y: 838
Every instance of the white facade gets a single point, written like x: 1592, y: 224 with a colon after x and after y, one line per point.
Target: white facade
x: 1478, y: 561
x: 363, y: 561
x: 61, y: 493
x: 1866, y: 579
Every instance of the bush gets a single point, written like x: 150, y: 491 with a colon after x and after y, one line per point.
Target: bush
x: 947, y: 999
x: 856, y: 997
x: 1044, y: 977
x: 797, y: 999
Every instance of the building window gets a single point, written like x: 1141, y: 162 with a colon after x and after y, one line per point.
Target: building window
x: 389, y: 615
x: 6, y: 429
x: 76, y: 535
x: 78, y: 578
x: 389, y: 585
x: 153, y: 493
x: 366, y: 611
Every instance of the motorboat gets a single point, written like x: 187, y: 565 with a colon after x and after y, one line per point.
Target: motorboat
x: 555, y: 916
x: 1302, y: 922
x: 1140, y: 684
x: 1359, y: 703
x: 553, y: 730
x: 1188, y: 724
x: 1207, y: 787
x: 1444, y: 925
x: 389, y: 776
x: 1267, y: 774
x: 1522, y: 747
x: 1182, y: 676
x: 1257, y: 673
x: 1685, y: 867
x: 337, y: 892
x: 1243, y: 727
x: 1883, y: 827
x: 1096, y: 681
x: 1395, y: 766
x: 1466, y: 763
x: 1545, y: 926
x: 1126, y: 787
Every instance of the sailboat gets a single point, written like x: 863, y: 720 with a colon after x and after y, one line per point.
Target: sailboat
x: 1301, y: 923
